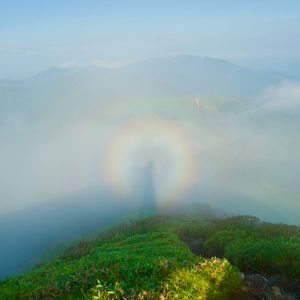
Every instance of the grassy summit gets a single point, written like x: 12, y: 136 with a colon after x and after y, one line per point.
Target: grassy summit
x: 149, y: 259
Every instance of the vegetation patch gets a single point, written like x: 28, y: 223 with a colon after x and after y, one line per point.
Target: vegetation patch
x: 148, y: 259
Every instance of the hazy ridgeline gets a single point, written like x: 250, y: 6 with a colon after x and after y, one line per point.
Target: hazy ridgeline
x: 76, y: 145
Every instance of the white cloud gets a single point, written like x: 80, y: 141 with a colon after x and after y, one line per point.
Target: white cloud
x: 283, y: 97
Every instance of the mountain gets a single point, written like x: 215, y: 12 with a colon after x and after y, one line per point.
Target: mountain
x: 177, y: 76
x: 200, y: 75
x: 60, y: 94
x: 39, y: 227
x: 55, y: 127
x: 290, y: 68
x: 172, y: 257
x: 42, y: 226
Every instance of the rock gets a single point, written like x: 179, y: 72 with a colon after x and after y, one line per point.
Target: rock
x: 257, y: 284
x: 257, y: 287
x: 288, y: 287
x: 277, y: 293
x: 241, y: 275
x: 274, y: 280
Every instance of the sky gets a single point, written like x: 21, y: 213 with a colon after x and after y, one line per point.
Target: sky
x: 36, y: 35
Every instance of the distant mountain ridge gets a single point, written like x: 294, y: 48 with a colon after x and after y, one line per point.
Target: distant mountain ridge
x: 185, y: 73
x: 194, y: 74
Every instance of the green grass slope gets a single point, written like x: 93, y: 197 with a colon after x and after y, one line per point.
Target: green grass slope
x: 148, y: 259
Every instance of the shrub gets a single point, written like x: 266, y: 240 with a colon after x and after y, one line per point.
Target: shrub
x: 209, y: 279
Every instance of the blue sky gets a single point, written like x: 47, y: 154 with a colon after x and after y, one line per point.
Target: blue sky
x: 36, y: 35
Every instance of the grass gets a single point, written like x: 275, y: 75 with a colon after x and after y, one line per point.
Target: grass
x: 212, y: 278
x: 147, y: 259
x: 257, y: 247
